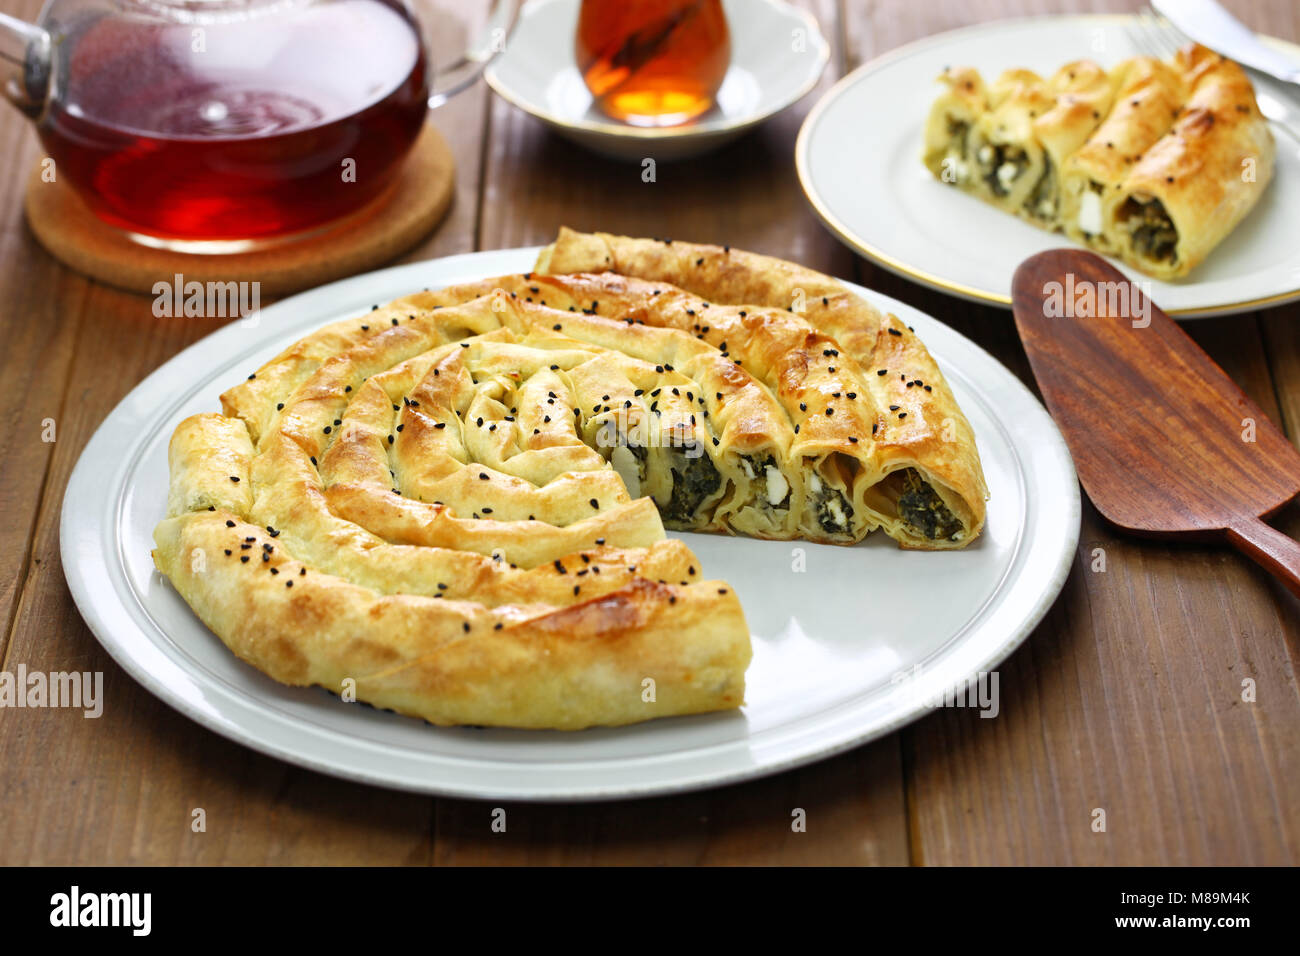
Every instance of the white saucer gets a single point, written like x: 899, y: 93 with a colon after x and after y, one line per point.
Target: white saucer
x: 859, y: 160
x: 777, y: 55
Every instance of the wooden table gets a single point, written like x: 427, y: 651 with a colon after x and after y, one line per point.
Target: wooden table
x: 1128, y: 697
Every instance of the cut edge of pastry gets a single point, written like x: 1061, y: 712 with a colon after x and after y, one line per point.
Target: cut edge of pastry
x: 1157, y: 181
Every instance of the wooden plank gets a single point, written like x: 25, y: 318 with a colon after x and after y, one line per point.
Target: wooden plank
x: 123, y: 788
x: 41, y: 313
x: 1128, y: 697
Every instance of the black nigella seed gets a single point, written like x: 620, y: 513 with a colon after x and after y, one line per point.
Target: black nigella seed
x: 883, y: 371
x: 466, y: 627
x: 894, y: 331
x: 394, y: 321
x: 288, y: 584
x: 235, y: 479
x: 230, y: 524
x: 853, y: 395
x: 483, y: 476
x: 243, y: 558
x: 853, y: 439
x: 279, y: 406
x: 595, y: 503
x: 893, y: 408
x: 229, y: 552
x: 830, y: 411
x: 275, y: 570
x: 902, y: 415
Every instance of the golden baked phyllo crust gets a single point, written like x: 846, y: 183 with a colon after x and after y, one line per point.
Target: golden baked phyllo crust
x: 454, y: 505
x: 1153, y: 162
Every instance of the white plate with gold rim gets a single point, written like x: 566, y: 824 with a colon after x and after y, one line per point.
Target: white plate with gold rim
x: 777, y: 56
x: 849, y: 643
x: 858, y: 158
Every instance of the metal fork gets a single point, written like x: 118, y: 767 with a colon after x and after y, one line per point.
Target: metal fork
x: 1154, y: 35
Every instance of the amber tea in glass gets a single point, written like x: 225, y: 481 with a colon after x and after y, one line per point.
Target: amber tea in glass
x: 653, y: 62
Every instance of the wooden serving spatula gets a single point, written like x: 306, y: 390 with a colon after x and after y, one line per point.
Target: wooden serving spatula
x: 1165, y: 444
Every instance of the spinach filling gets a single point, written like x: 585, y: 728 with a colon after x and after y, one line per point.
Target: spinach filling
x: 694, y: 479
x: 833, y: 511
x: 1154, y: 234
x: 1042, y: 201
x: 768, y: 485
x: 923, y: 510
x: 1002, y: 166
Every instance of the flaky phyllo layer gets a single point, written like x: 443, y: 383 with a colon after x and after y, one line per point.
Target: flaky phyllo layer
x: 1153, y: 162
x: 453, y: 506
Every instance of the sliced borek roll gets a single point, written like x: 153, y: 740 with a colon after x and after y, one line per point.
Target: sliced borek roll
x: 1198, y: 181
x: 1081, y: 97
x: 949, y: 128
x: 1148, y: 95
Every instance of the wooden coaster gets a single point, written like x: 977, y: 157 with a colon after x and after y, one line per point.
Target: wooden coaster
x: 376, y: 234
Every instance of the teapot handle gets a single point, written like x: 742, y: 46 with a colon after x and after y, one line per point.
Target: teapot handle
x: 466, y: 69
x: 26, y: 46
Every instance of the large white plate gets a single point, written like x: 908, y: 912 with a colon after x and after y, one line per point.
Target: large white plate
x: 828, y: 641
x: 859, y: 159
x: 777, y: 56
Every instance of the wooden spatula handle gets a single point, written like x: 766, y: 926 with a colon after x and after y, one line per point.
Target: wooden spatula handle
x: 1279, y: 554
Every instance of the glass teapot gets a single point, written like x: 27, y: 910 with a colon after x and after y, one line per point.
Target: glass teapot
x: 210, y: 125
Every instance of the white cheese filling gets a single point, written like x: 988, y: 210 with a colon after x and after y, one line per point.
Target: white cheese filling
x: 628, y: 469
x: 1090, y: 213
x: 777, y: 486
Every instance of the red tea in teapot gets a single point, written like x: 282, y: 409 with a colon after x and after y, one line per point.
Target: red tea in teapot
x: 239, y: 128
